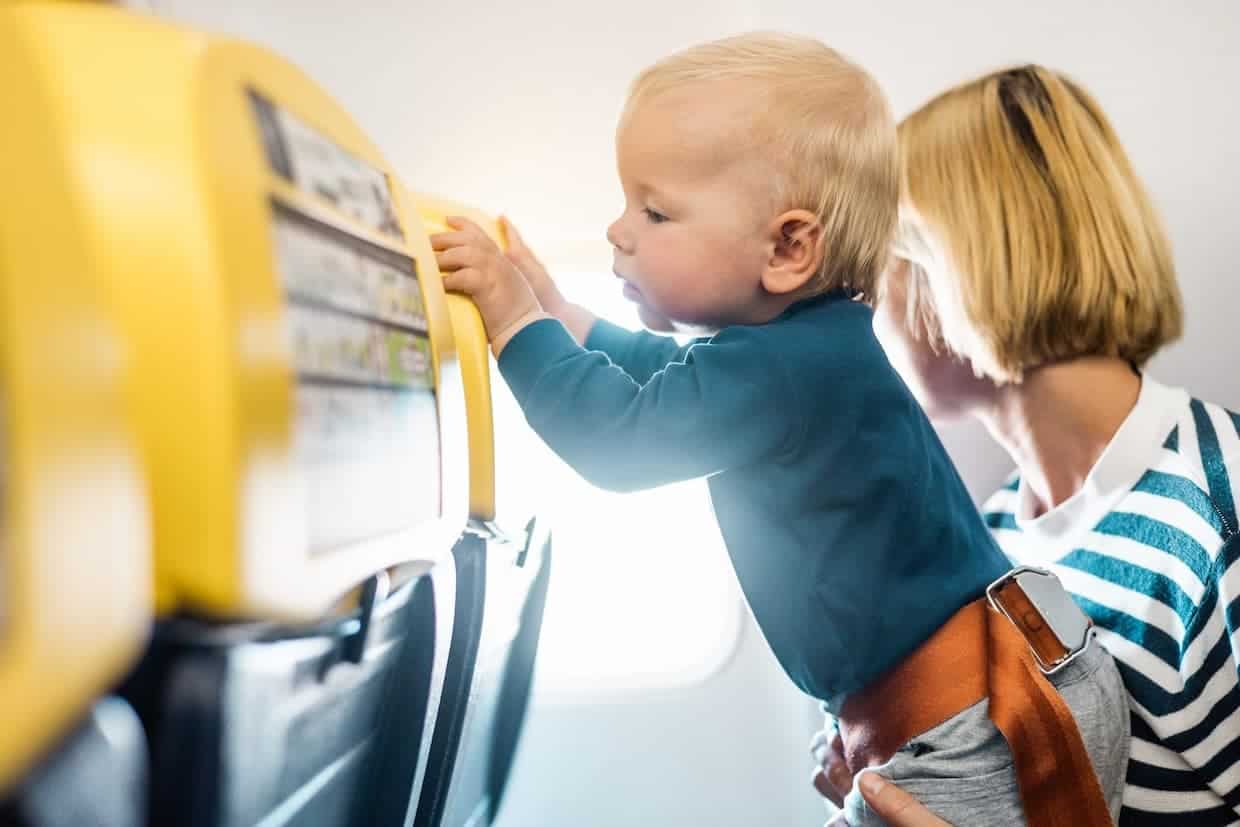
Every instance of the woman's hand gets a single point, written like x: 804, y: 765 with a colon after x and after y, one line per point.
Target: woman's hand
x: 833, y: 780
x: 894, y: 805
x: 897, y: 808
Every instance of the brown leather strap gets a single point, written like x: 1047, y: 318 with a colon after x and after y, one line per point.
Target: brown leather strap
x: 976, y: 654
x: 1058, y: 785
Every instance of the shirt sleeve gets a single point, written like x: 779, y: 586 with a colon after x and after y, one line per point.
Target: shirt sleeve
x: 1178, y: 650
x: 1212, y: 747
x: 724, y: 406
x: 1195, y: 727
x: 1212, y: 744
x: 637, y: 353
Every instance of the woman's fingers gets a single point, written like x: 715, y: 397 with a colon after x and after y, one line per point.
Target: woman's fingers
x: 897, y: 807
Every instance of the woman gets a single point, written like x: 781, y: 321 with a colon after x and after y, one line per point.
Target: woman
x: 1032, y: 282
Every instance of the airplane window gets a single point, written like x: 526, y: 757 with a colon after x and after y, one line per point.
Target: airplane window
x: 642, y: 594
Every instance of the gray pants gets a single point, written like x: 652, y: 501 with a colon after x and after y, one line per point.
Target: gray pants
x: 962, y: 769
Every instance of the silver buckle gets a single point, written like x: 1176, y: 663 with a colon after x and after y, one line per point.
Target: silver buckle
x: 1067, y: 622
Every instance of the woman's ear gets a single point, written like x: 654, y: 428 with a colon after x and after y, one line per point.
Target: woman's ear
x: 797, y: 245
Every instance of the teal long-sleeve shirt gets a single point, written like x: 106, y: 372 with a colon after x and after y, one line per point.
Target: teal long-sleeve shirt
x: 851, y: 533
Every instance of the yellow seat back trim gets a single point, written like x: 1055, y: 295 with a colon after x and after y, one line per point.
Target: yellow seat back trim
x: 75, y: 553
x: 474, y: 354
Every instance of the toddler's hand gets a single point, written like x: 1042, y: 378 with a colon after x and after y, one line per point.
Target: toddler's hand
x: 473, y: 264
x: 576, y: 318
x: 831, y: 778
x: 540, y: 281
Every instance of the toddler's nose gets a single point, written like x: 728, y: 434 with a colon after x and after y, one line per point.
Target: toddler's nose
x: 617, y: 236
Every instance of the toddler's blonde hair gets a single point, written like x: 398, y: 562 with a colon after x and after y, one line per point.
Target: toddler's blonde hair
x: 827, y: 130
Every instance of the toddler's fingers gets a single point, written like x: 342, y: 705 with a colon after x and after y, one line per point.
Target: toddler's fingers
x: 819, y: 745
x: 475, y: 233
x: 467, y: 280
x: 825, y: 788
x: 516, y: 244
x: 458, y: 257
x: 444, y: 241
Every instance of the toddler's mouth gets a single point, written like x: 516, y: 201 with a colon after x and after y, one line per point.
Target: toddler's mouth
x: 630, y: 290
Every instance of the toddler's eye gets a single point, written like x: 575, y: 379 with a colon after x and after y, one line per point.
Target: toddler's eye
x: 654, y: 217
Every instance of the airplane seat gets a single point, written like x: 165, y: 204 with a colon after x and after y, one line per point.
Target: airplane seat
x: 469, y: 596
x: 399, y: 758
x: 291, y: 385
x: 311, y: 416
x: 499, y: 592
x: 516, y: 685
x: 261, y: 725
x: 96, y: 775
x: 76, y: 599
x: 478, y: 741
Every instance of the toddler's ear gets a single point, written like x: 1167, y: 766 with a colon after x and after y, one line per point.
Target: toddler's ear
x: 797, y: 241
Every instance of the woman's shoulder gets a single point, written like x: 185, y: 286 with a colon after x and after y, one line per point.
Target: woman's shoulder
x: 1199, y: 462
x: 1181, y: 448
x: 1177, y: 494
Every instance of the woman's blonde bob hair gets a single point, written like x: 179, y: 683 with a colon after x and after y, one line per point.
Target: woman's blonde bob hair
x: 1031, y: 238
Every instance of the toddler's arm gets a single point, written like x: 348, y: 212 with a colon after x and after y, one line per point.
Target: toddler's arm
x: 727, y: 405
x: 638, y: 353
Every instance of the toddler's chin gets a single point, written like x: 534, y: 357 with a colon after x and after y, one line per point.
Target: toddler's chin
x: 655, y: 321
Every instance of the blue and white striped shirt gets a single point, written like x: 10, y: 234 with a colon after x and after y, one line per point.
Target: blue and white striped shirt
x: 1149, y: 548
